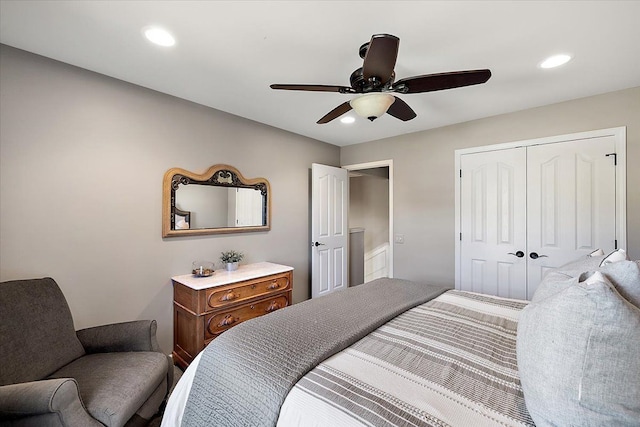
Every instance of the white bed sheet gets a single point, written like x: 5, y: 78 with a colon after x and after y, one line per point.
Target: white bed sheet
x: 175, y: 405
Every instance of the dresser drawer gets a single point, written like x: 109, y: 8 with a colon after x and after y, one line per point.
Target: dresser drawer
x: 216, y: 323
x: 232, y: 294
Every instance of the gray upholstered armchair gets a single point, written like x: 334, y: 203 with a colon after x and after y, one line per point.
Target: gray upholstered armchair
x: 52, y: 376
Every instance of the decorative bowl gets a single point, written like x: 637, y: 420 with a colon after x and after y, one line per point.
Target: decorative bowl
x: 202, y: 268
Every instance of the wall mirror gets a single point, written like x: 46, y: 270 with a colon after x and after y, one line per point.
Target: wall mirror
x: 220, y: 200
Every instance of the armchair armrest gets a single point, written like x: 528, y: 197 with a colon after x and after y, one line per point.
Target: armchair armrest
x: 139, y: 335
x: 59, y: 398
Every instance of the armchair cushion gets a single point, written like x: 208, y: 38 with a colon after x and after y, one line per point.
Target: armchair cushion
x: 114, y: 386
x: 139, y: 335
x: 37, y: 330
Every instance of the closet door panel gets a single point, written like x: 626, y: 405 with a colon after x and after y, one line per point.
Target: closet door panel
x: 493, y: 206
x: 570, y: 203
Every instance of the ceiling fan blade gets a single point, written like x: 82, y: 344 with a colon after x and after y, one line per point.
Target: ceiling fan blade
x: 313, y: 88
x: 441, y: 81
x: 400, y: 110
x: 335, y: 113
x: 381, y: 57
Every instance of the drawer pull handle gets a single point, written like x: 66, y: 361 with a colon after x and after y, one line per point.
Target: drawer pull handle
x: 228, y: 320
x: 274, y: 285
x: 273, y: 307
x: 228, y: 296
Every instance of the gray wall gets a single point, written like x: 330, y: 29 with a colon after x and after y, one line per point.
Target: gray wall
x: 209, y: 205
x: 424, y: 173
x: 82, y: 157
x: 369, y: 208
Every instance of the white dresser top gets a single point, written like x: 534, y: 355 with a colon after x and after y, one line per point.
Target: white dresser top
x: 224, y: 277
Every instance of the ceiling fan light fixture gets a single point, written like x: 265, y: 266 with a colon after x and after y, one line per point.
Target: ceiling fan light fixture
x: 372, y: 105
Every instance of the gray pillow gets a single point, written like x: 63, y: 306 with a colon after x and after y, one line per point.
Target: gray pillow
x: 582, y: 264
x: 554, y: 282
x: 625, y: 276
x: 567, y: 275
x: 577, y: 354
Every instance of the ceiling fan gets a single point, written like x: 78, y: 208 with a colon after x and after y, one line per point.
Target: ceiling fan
x: 374, y: 81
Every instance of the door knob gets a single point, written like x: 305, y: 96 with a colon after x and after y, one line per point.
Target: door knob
x: 519, y: 254
x: 316, y: 244
x: 534, y: 255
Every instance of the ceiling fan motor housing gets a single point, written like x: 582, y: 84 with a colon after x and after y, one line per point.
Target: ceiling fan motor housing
x: 363, y: 50
x: 357, y: 80
x: 362, y: 85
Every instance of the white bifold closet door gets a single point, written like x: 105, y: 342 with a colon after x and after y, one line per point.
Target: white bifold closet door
x: 526, y: 210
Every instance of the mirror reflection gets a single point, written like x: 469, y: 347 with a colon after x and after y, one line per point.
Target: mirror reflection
x: 199, y: 206
x: 220, y: 200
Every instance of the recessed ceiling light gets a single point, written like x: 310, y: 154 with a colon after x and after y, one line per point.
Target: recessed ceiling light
x: 159, y: 36
x: 348, y: 119
x: 555, y: 61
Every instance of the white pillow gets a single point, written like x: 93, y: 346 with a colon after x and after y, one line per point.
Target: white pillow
x: 615, y: 256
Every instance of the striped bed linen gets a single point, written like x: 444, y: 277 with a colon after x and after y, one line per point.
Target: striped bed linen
x: 448, y: 362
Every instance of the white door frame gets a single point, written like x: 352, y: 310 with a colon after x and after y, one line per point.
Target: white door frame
x: 620, y: 136
x: 380, y: 164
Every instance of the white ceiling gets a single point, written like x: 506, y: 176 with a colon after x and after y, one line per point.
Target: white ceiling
x: 229, y: 52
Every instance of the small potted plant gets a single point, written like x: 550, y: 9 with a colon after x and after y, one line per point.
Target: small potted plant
x: 231, y: 259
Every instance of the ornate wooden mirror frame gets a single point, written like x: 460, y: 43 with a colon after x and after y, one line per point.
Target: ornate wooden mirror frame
x: 224, y: 177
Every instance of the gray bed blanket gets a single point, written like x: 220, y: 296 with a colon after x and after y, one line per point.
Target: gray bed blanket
x: 246, y: 373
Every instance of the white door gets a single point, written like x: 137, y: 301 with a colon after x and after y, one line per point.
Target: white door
x: 249, y: 207
x: 329, y: 233
x: 525, y: 210
x: 571, y: 203
x: 493, y: 214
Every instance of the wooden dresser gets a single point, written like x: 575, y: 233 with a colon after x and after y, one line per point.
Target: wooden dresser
x: 204, y: 307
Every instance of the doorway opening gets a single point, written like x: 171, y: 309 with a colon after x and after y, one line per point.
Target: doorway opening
x: 370, y: 221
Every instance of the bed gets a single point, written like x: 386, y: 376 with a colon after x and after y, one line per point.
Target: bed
x: 398, y: 353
